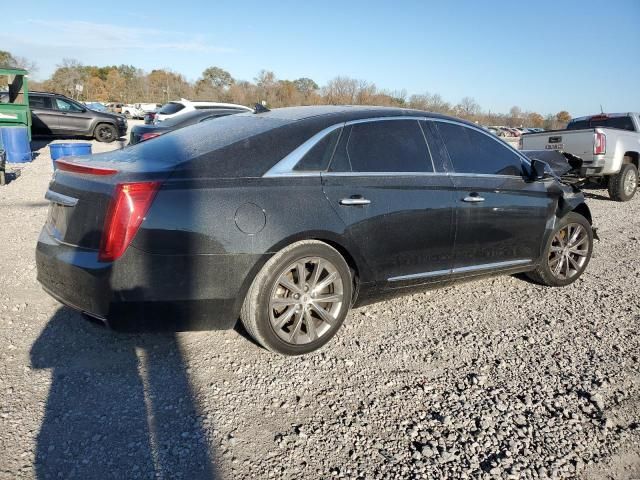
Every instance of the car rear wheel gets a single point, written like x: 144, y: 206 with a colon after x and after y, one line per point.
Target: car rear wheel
x: 299, y: 299
x: 623, y: 186
x: 106, y: 133
x: 567, y: 252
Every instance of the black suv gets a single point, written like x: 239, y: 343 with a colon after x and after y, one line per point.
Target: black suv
x: 55, y: 114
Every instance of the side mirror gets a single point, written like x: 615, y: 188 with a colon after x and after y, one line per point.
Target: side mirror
x: 539, y: 169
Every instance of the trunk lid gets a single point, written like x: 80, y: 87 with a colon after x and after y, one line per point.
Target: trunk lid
x: 79, y: 201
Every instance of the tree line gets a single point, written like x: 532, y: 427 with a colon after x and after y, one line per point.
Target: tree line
x: 128, y: 84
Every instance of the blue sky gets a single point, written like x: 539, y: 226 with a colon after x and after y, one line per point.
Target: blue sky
x: 541, y: 55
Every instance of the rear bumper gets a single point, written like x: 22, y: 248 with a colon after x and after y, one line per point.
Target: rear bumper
x: 141, y: 291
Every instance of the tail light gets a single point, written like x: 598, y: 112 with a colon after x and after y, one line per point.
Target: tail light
x: 83, y: 168
x: 599, y: 144
x: 149, y: 135
x: 128, y: 207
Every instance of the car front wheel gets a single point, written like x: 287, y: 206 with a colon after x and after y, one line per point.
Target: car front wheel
x: 299, y: 299
x: 106, y: 132
x: 567, y: 252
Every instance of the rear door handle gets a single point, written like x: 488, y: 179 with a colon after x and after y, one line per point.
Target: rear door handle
x: 473, y: 198
x: 355, y: 201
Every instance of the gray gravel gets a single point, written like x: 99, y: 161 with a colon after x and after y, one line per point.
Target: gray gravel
x: 494, y: 379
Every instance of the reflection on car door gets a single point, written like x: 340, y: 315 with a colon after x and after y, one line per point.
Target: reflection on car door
x: 501, y: 216
x: 397, y: 210
x: 43, y: 117
x: 73, y: 118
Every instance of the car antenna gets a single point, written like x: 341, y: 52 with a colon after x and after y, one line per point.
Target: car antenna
x: 261, y: 107
x: 601, y: 110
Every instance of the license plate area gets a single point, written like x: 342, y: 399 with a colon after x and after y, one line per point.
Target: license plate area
x: 58, y: 219
x: 554, y: 146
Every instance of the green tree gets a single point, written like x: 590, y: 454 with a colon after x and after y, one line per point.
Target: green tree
x: 305, y: 86
x: 217, y: 77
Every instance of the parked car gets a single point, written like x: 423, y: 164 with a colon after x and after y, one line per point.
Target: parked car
x: 55, y: 114
x: 131, y: 111
x: 96, y: 106
x: 289, y: 218
x: 180, y: 107
x: 115, y: 107
x: 141, y: 133
x: 608, y: 144
x: 148, y: 107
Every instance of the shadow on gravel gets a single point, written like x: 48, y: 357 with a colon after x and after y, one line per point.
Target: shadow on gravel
x: 120, y: 405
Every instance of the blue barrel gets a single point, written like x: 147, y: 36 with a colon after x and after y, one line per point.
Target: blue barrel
x: 15, y: 141
x: 59, y: 150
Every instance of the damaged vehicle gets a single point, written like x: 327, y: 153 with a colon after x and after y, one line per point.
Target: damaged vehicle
x: 608, y: 145
x: 287, y: 219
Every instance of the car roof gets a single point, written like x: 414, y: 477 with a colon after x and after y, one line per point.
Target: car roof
x: 340, y: 113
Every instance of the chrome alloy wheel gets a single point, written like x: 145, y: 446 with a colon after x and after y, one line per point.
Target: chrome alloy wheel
x: 306, y: 300
x: 569, y: 251
x: 630, y: 182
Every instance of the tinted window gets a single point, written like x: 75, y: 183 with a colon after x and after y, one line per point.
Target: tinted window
x: 171, y: 108
x: 471, y: 151
x: 388, y: 146
x: 622, y: 123
x: 66, y: 106
x: 318, y: 157
x: 39, y: 102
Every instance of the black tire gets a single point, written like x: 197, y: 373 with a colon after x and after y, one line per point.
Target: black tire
x: 105, y: 132
x: 544, y: 274
x: 127, y: 115
x: 623, y: 185
x: 256, y: 315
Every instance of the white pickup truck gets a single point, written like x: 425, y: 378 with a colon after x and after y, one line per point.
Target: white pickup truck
x: 608, y: 144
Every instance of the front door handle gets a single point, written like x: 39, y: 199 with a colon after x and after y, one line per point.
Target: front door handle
x: 355, y: 201
x: 473, y: 198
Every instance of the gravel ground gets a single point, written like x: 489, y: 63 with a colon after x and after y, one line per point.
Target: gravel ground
x: 499, y: 378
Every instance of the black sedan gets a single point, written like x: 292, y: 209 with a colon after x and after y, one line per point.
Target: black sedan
x: 287, y: 219
x: 140, y: 133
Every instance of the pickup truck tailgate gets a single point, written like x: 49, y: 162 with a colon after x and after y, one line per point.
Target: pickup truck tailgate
x: 576, y: 142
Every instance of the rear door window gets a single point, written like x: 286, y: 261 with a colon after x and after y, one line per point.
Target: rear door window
x: 475, y: 152
x: 384, y: 146
x: 39, y: 102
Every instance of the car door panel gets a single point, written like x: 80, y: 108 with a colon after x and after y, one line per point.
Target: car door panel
x: 43, y: 117
x: 406, y: 232
x: 395, y: 207
x: 73, y: 119
x: 506, y: 228
x: 500, y: 216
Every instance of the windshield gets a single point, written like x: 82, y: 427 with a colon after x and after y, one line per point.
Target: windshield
x: 622, y: 123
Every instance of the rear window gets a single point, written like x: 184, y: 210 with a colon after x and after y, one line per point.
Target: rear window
x: 171, y: 108
x: 621, y: 123
x: 39, y: 102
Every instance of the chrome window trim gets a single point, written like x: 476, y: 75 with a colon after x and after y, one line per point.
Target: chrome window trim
x: 492, y: 137
x: 382, y: 174
x: 472, y: 268
x: 285, y: 166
